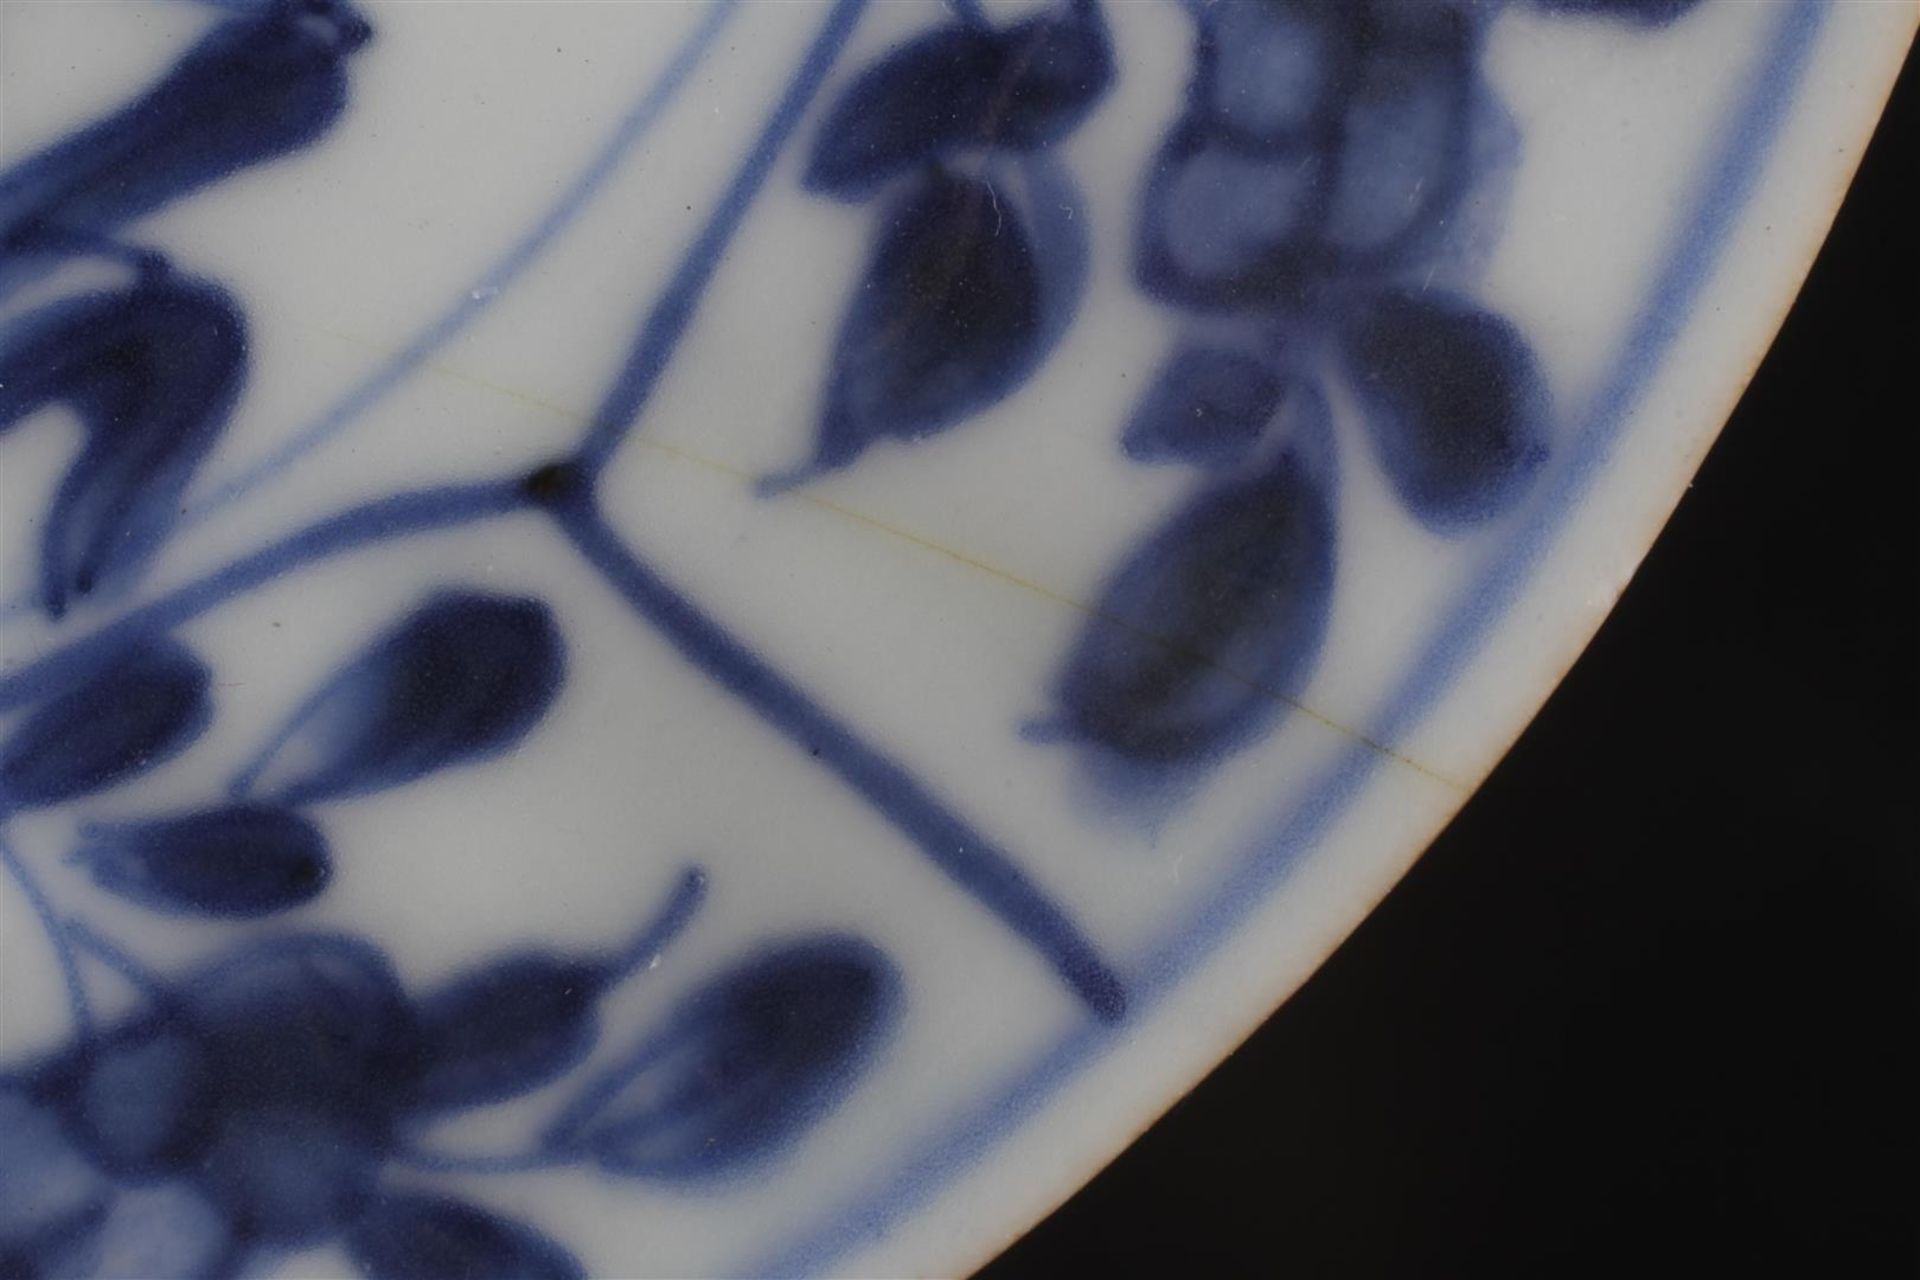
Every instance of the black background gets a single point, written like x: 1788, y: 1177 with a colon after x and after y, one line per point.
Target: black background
x: 1653, y: 1000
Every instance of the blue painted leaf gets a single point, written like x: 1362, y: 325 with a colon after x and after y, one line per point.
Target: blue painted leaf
x: 948, y: 319
x: 913, y: 104
x: 503, y: 1030
x: 462, y: 678
x: 962, y: 86
x: 1207, y: 405
x: 1455, y: 404
x: 1213, y: 624
x: 237, y: 861
x: 519, y: 1022
x: 1057, y: 67
x: 414, y: 1237
x: 742, y: 1067
x: 1056, y: 225
x: 1646, y: 13
x: 136, y: 711
x: 152, y: 372
x: 255, y: 87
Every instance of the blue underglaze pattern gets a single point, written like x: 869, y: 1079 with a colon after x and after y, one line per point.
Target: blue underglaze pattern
x: 1315, y: 180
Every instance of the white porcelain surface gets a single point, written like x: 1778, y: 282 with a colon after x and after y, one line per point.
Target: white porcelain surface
x: 1649, y: 198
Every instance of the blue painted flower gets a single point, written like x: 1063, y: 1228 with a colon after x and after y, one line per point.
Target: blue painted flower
x: 1321, y: 144
x: 61, y: 1214
x: 1310, y: 161
x: 1302, y: 203
x: 1324, y: 157
x: 256, y: 1092
x: 261, y: 1104
x: 267, y: 1101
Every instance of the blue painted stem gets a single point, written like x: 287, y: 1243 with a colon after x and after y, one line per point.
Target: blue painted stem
x: 963, y: 853
x: 42, y: 907
x: 395, y: 516
x: 967, y: 856
x: 116, y: 957
x: 674, y: 916
x: 498, y: 278
x: 672, y: 313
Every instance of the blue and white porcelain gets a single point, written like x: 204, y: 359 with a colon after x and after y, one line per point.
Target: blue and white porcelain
x: 731, y: 638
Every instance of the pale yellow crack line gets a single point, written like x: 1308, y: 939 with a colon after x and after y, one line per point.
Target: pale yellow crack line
x: 961, y: 557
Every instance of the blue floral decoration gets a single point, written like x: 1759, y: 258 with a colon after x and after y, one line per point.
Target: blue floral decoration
x: 284, y: 1091
x: 1297, y: 212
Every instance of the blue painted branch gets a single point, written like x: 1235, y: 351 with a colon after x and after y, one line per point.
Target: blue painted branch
x: 673, y: 917
x: 106, y: 951
x: 672, y: 313
x: 966, y: 855
x: 383, y: 519
x: 502, y: 275
x: 43, y: 909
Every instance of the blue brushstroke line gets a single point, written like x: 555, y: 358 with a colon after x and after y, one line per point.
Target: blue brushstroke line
x: 967, y: 856
x: 42, y: 907
x: 395, y: 516
x: 961, y: 1142
x: 500, y: 277
x: 667, y: 322
x: 673, y: 917
x: 117, y: 958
